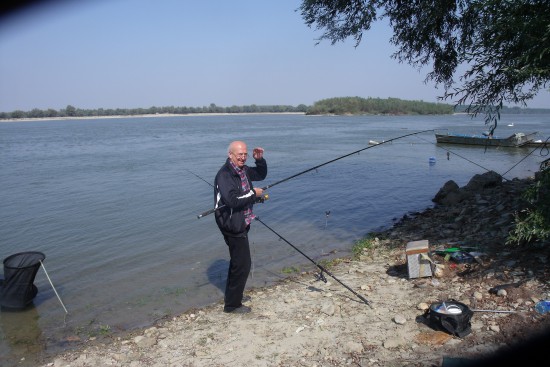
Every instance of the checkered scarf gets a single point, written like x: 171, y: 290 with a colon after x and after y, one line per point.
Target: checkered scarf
x: 245, y: 186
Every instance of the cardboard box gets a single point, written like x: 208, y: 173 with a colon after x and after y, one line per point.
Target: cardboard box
x: 418, y: 262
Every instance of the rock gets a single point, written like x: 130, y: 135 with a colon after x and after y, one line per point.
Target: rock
x: 423, y: 306
x: 502, y: 293
x: 438, y: 271
x: 353, y: 347
x: 144, y: 341
x: 393, y: 342
x: 328, y: 309
x: 485, y: 180
x: 448, y: 188
x: 399, y: 319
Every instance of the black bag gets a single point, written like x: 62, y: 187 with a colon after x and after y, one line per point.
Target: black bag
x: 450, y: 316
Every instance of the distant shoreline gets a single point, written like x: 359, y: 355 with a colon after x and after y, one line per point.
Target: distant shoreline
x: 27, y: 119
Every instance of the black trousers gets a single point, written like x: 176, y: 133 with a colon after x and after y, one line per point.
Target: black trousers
x: 239, y: 268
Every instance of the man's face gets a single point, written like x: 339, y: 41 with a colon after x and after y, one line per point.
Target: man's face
x: 238, y: 154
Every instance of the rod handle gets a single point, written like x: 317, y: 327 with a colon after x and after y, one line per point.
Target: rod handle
x: 206, y: 213
x: 261, y: 199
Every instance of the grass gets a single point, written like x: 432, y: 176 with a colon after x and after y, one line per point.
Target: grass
x: 290, y: 270
x: 367, y: 243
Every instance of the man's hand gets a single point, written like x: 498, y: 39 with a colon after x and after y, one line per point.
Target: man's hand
x: 259, y: 191
x: 258, y: 153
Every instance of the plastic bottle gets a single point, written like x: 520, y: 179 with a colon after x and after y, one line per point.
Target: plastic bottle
x: 543, y: 306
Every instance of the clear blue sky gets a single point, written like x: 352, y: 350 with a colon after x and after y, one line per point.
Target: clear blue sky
x: 143, y: 53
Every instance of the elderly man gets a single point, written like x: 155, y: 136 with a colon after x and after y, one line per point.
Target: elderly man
x: 235, y: 196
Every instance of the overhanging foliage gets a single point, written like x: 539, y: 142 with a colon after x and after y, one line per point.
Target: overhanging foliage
x: 502, y: 46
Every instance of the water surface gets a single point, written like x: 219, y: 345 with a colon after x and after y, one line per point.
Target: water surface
x: 112, y: 205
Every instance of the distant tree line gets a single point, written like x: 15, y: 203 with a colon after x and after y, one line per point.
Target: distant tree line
x: 331, y: 106
x: 377, y: 106
x: 71, y: 111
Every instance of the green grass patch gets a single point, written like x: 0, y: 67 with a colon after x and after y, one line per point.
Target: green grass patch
x: 361, y: 245
x: 290, y: 270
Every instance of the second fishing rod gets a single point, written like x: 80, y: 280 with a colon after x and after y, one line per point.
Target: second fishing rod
x: 323, y: 271
x: 203, y: 214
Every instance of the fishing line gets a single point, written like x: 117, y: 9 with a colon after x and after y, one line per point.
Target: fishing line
x: 544, y: 147
x: 319, y: 276
x: 327, y: 213
x: 318, y: 166
x: 253, y: 247
x: 458, y: 155
x: 341, y: 157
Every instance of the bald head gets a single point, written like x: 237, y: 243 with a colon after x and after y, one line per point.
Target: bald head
x: 237, y: 152
x: 236, y: 145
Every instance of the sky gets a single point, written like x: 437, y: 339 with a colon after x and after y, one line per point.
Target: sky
x: 142, y: 53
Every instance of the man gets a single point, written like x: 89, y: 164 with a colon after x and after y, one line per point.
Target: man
x: 235, y: 196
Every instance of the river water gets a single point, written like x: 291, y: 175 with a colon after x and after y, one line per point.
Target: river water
x: 113, y: 205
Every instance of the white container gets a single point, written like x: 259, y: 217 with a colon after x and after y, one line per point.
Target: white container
x: 418, y: 262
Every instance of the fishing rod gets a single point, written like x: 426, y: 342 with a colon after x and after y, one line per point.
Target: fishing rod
x: 323, y: 270
x: 318, y: 166
x: 197, y: 176
x: 260, y: 199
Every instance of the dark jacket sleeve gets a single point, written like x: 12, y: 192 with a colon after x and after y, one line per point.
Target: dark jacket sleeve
x: 230, y: 198
x: 230, y: 191
x: 258, y: 173
x: 229, y: 185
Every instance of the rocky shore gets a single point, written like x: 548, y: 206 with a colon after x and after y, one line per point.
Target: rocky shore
x: 306, y: 322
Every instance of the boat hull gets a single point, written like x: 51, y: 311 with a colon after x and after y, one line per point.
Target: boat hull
x: 516, y: 140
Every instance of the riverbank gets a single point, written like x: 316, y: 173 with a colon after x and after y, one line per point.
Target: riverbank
x: 302, y: 321
x: 147, y: 116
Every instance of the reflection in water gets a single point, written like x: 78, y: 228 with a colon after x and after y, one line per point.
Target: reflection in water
x: 217, y: 273
x: 22, y: 340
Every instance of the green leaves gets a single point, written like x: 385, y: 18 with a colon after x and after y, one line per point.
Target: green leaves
x: 483, y: 53
x: 533, y: 223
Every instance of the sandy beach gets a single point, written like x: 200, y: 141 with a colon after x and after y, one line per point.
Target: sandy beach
x: 146, y: 116
x: 303, y: 321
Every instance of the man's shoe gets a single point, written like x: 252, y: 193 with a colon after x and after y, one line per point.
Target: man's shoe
x: 241, y: 309
x: 246, y: 299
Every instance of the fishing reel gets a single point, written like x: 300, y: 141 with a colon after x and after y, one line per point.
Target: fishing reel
x: 261, y: 199
x: 320, y: 277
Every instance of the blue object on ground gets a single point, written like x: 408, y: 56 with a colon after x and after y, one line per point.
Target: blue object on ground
x: 543, y: 306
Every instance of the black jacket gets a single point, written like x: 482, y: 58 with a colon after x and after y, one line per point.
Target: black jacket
x: 228, y: 192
